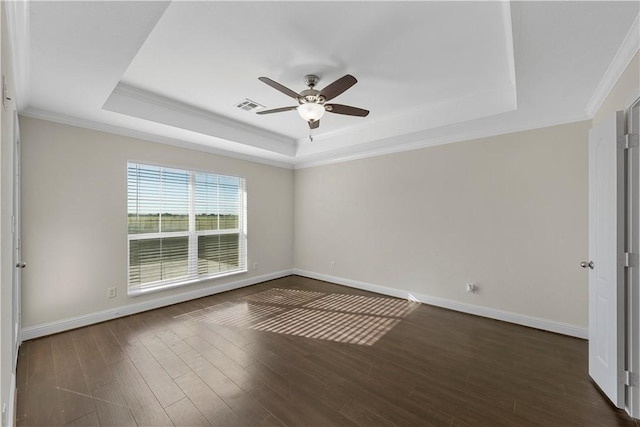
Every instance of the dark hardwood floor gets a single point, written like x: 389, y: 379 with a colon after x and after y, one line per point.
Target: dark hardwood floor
x: 268, y: 356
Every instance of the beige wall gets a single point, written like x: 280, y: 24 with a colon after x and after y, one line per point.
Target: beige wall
x: 625, y: 91
x: 508, y: 213
x: 75, y: 223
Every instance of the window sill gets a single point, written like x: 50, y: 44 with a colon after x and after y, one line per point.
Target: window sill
x: 144, y: 290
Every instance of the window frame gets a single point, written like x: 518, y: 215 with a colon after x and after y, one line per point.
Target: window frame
x: 191, y: 234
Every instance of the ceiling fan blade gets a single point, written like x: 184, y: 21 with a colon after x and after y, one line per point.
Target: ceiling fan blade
x: 346, y: 110
x: 278, y: 86
x: 314, y: 125
x: 277, y: 110
x: 337, y: 87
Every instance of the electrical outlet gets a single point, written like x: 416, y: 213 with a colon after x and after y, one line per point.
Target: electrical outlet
x: 255, y: 265
x: 472, y: 288
x: 332, y: 265
x: 111, y: 292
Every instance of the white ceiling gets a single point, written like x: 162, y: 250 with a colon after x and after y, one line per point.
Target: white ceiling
x: 429, y: 72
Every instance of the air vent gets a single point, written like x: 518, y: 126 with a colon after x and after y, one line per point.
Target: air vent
x: 249, y: 105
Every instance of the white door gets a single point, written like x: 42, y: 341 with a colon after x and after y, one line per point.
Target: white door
x: 17, y: 242
x: 606, y: 269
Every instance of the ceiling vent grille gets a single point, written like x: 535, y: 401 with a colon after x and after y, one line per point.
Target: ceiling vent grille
x: 249, y: 105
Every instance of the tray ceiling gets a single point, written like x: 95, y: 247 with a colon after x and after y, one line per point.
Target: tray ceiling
x: 429, y: 72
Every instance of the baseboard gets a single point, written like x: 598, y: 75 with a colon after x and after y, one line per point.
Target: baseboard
x: 506, y: 316
x: 9, y: 415
x: 49, y: 328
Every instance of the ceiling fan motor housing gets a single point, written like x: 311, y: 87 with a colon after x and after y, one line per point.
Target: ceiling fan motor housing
x: 310, y: 95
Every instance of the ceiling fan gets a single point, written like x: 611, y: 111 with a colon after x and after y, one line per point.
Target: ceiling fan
x: 311, y: 102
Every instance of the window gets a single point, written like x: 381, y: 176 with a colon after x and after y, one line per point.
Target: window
x: 184, y: 226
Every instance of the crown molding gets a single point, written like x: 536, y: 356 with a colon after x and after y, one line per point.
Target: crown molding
x: 505, y: 7
x: 139, y: 103
x: 18, y: 31
x: 417, y: 141
x: 629, y: 47
x: 414, y: 141
x: 117, y: 130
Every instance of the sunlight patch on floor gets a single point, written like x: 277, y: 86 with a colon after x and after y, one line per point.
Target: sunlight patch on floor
x: 283, y: 296
x: 231, y: 313
x: 352, y: 319
x: 367, y: 305
x: 327, y: 325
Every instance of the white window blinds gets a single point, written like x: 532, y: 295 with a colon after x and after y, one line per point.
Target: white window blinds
x: 184, y: 226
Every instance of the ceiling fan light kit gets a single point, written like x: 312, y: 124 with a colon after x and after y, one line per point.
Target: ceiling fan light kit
x: 311, y: 102
x: 311, y: 112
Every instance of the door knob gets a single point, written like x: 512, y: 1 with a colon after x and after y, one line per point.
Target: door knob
x: 585, y: 264
x: 21, y: 265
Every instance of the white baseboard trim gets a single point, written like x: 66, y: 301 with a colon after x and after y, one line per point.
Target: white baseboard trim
x: 49, y: 328
x: 492, y: 313
x: 57, y: 326
x: 10, y: 414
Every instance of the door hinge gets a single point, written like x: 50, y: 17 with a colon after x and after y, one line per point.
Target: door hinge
x: 4, y: 92
x: 629, y: 140
x: 632, y: 379
x: 629, y: 259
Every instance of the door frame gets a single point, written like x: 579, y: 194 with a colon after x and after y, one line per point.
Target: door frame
x: 632, y: 279
x: 16, y: 323
x: 16, y: 298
